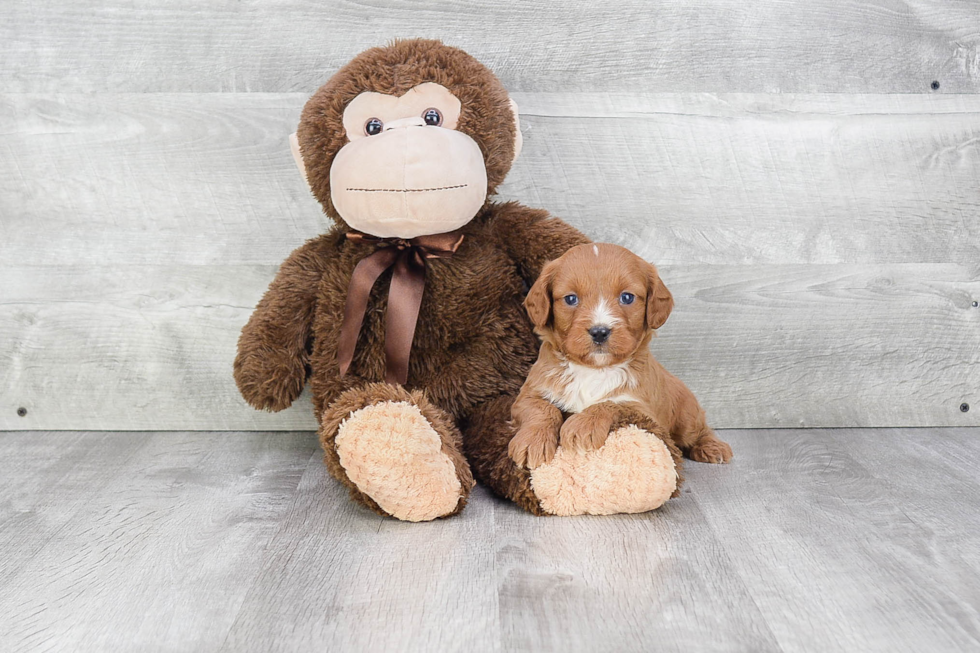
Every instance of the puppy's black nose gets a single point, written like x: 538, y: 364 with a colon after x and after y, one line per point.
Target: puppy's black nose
x: 599, y: 334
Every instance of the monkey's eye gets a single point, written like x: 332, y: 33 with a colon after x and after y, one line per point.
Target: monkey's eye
x: 571, y: 300
x: 627, y: 298
x: 373, y: 127
x: 432, y: 117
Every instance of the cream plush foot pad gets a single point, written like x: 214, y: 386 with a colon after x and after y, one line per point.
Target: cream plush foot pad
x: 393, y: 455
x: 631, y: 472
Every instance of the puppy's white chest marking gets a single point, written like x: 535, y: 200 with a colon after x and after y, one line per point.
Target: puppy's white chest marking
x: 579, y: 387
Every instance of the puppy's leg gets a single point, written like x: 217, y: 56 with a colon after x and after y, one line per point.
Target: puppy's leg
x: 537, y: 422
x: 694, y: 437
x: 637, y: 470
x: 709, y: 449
x: 588, y: 430
x: 690, y: 430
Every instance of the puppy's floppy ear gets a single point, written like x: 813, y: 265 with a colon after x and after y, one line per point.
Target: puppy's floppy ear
x: 538, y: 301
x: 659, y: 300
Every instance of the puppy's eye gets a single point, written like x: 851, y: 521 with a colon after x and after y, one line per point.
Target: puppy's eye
x: 627, y: 298
x: 373, y: 127
x: 432, y: 117
x: 571, y: 300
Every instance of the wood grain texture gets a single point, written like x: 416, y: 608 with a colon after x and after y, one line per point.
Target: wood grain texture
x: 46, y: 481
x: 846, y: 555
x: 816, y: 540
x: 704, y: 45
x: 944, y: 471
x: 752, y: 179
x: 148, y: 346
x: 656, y: 581
x: 372, y: 583
x: 824, y: 249
x: 164, y: 179
x: 151, y: 347
x: 152, y: 179
x: 163, y: 550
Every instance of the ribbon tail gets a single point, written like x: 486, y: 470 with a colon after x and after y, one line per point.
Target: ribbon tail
x: 365, y: 274
x: 404, y: 301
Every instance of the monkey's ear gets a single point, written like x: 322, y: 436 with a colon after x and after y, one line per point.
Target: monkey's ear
x: 518, y: 139
x: 297, y: 156
x: 538, y: 301
x: 659, y: 300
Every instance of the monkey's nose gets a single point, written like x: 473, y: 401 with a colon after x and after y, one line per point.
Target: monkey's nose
x: 599, y: 334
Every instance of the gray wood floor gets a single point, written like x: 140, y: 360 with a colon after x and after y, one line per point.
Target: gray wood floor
x: 813, y: 540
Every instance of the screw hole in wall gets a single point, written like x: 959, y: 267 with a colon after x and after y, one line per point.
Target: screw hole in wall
x: 22, y: 411
x: 964, y: 408
x: 935, y: 85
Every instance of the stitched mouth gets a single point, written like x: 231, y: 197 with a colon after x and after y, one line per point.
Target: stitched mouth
x: 404, y: 190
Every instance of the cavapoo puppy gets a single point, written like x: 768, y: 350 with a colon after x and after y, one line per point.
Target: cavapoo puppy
x: 596, y: 309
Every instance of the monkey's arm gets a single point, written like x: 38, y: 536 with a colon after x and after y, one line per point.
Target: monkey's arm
x: 532, y: 237
x: 271, y: 365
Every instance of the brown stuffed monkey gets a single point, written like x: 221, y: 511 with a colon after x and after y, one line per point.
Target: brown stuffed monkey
x: 407, y: 315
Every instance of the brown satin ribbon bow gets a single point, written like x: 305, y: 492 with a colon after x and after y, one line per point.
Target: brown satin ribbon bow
x: 404, y: 295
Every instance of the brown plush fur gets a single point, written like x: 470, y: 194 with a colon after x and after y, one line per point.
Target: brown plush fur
x: 486, y: 450
x: 485, y: 114
x: 473, y: 344
x: 596, y: 275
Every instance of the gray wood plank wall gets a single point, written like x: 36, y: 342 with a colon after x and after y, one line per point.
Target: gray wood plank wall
x: 811, y: 200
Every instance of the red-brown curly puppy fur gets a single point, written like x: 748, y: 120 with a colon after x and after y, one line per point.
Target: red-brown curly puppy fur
x: 596, y: 309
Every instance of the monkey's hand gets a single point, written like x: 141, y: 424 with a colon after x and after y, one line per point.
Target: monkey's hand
x: 271, y: 365
x: 269, y: 379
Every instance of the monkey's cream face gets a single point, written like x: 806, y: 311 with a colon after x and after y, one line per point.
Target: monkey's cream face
x: 406, y: 171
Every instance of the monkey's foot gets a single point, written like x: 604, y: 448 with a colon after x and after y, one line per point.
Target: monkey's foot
x: 632, y: 472
x: 395, y: 456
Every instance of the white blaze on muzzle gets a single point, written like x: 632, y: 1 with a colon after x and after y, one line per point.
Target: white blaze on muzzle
x: 602, y: 315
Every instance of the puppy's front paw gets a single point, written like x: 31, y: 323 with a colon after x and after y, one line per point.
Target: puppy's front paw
x: 533, y: 447
x: 585, y: 431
